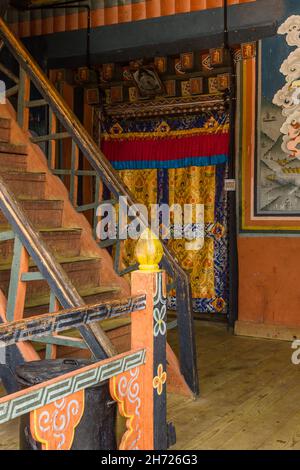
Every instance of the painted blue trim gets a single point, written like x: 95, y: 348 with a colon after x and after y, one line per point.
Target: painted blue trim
x: 180, y: 163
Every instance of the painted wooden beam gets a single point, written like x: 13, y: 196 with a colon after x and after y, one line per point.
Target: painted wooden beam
x: 52, y: 323
x: 167, y: 35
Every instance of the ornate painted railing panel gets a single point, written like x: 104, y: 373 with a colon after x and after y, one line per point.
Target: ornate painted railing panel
x: 63, y: 124
x: 138, y: 378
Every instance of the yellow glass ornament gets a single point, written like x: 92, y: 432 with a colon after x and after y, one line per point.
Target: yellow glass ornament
x: 149, y: 251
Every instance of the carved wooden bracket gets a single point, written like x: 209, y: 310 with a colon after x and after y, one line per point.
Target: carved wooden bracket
x: 54, y: 425
x: 126, y: 389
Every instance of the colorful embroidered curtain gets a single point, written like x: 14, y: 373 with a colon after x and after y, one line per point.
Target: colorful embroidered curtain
x: 171, y: 142
x: 180, y: 160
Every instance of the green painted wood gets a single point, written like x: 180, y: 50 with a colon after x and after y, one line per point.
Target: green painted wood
x: 48, y: 354
x: 61, y: 172
x: 107, y: 243
x: 49, y: 147
x: 85, y: 173
x: 52, y: 302
x: 45, y: 138
x: 9, y: 74
x: 36, y: 103
x: 14, y: 279
x: 87, y: 207
x: 61, y: 341
x: 12, y: 91
x: 73, y: 196
x: 21, y: 97
x: 5, y: 236
x: 32, y: 276
x: 97, y: 197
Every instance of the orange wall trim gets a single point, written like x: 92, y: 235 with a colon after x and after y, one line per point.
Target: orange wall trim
x: 47, y: 22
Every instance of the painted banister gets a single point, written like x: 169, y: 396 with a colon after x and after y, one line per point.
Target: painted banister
x: 137, y: 378
x: 53, y: 323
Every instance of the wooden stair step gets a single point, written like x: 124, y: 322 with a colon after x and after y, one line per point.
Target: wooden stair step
x: 13, y: 161
x: 39, y: 304
x: 62, y: 241
x: 26, y: 185
x: 117, y: 329
x: 42, y: 213
x: 15, y: 149
x: 5, y: 123
x: 82, y: 271
x: 4, y: 130
x: 93, y: 295
x: 13, y: 157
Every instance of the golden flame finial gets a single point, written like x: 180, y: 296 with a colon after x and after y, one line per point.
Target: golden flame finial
x: 149, y: 251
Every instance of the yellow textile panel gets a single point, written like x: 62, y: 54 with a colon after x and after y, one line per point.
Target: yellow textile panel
x: 191, y: 185
x: 196, y: 185
x: 143, y: 186
x: 200, y: 265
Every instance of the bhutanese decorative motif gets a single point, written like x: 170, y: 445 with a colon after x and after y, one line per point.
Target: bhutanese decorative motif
x: 42, y: 395
x: 177, y: 175
x: 54, y: 323
x: 160, y: 326
x: 126, y: 390
x: 160, y: 379
x: 160, y: 309
x: 54, y: 425
x: 169, y: 142
x: 208, y: 266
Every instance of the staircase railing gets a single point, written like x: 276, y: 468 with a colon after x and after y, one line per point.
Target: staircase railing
x: 137, y: 378
x: 64, y: 124
x: 28, y: 243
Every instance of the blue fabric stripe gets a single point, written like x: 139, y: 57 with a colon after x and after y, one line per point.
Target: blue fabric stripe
x: 180, y: 163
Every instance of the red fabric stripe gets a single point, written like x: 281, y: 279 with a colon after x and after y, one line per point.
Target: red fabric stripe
x: 166, y: 149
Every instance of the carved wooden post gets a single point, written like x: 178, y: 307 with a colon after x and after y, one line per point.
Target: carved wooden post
x: 141, y: 393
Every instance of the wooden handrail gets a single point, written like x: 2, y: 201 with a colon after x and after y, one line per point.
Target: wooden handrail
x: 53, y: 323
x: 112, y: 180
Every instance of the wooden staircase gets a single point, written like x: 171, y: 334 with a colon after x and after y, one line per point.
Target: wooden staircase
x: 55, y: 246
x: 48, y: 209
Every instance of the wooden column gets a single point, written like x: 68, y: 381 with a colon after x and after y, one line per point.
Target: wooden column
x: 141, y: 393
